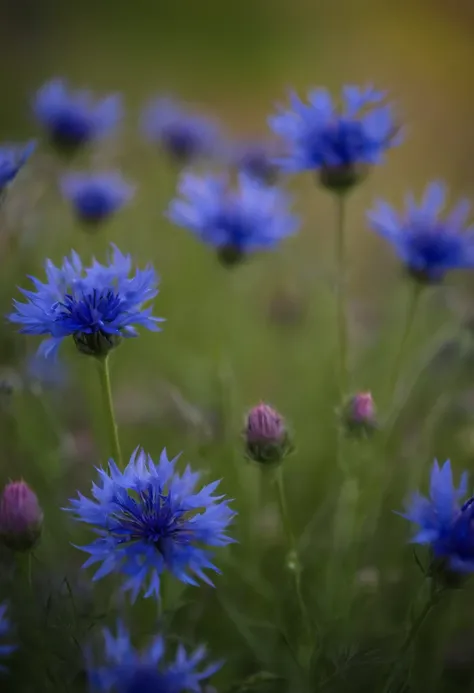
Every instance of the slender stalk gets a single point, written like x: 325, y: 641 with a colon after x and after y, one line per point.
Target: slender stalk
x: 410, y: 637
x: 104, y: 375
x: 341, y: 292
x: 293, y: 558
x: 409, y: 320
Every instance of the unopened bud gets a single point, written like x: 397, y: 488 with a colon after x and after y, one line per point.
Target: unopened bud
x: 358, y: 415
x: 21, y: 517
x: 266, y: 436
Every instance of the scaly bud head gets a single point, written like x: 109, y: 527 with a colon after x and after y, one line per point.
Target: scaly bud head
x: 266, y: 436
x: 358, y: 415
x: 21, y: 517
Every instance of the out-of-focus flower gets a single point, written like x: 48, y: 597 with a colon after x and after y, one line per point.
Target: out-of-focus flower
x: 340, y: 142
x: 445, y: 526
x: 12, y: 158
x: 183, y: 135
x: 46, y: 373
x: 236, y: 222
x: 427, y: 244
x: 149, y: 520
x: 358, y: 415
x: 5, y: 650
x: 257, y: 160
x: 126, y: 670
x: 95, y: 197
x: 75, y: 118
x: 266, y: 435
x: 97, y: 305
x: 21, y: 517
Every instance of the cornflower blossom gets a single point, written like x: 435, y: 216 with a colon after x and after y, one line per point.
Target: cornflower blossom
x: 149, y: 519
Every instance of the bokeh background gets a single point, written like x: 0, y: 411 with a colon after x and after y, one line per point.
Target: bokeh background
x: 264, y: 331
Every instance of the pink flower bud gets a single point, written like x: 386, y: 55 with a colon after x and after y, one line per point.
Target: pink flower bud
x: 358, y: 415
x: 21, y: 517
x: 266, y: 435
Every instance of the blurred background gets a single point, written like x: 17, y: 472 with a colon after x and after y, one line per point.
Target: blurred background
x: 263, y: 331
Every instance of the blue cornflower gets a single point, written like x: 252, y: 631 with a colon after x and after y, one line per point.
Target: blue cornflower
x: 150, y: 519
x: 445, y: 526
x: 128, y: 671
x: 340, y: 142
x: 12, y: 158
x: 96, y: 196
x: 73, y: 118
x: 251, y: 218
x: 97, y: 305
x: 257, y: 160
x: 185, y: 136
x: 428, y: 245
x: 5, y: 650
x: 46, y: 373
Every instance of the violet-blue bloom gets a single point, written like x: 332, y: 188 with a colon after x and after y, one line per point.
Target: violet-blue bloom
x: 12, y: 158
x: 443, y: 524
x: 5, y: 627
x: 96, y: 305
x: 428, y: 244
x: 95, y: 197
x: 150, y: 519
x: 250, y: 218
x: 74, y: 118
x: 184, y: 135
x: 337, y: 140
x: 126, y: 670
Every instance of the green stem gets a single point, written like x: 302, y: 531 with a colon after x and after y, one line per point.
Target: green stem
x: 104, y: 375
x: 410, y: 637
x: 409, y: 320
x: 293, y: 558
x: 341, y: 292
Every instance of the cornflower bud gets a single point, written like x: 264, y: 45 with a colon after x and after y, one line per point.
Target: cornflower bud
x: 358, y: 415
x: 21, y: 517
x: 266, y: 436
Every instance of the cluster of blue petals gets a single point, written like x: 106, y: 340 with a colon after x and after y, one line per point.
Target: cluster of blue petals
x: 75, y: 117
x: 5, y: 650
x: 12, y: 158
x: 252, y: 217
x: 428, y: 244
x: 96, y: 196
x: 150, y: 519
x: 98, y: 299
x: 321, y: 134
x: 186, y: 136
x: 125, y: 670
x: 443, y: 523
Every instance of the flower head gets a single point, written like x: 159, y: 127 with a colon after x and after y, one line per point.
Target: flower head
x: 12, y: 158
x: 428, y: 245
x: 128, y: 671
x: 443, y: 524
x: 185, y: 136
x: 257, y: 160
x: 21, y: 517
x: 358, y: 415
x: 74, y: 118
x: 96, y: 197
x: 97, y: 305
x: 5, y: 650
x: 266, y: 435
x: 236, y: 222
x: 42, y: 373
x: 339, y: 142
x: 150, y: 519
